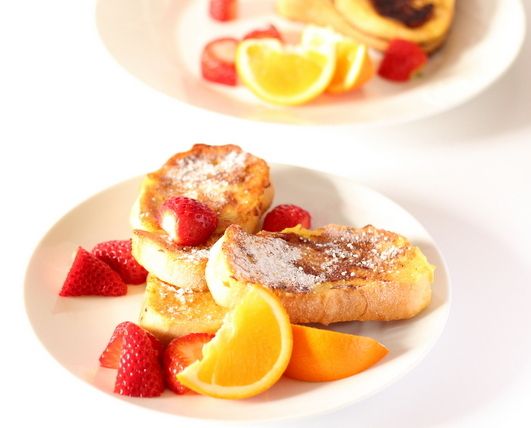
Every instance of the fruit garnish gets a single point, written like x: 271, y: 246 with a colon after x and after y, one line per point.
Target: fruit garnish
x: 286, y: 215
x: 402, y: 60
x: 249, y: 352
x: 322, y: 355
x: 110, y: 357
x: 269, y: 32
x: 354, y: 66
x: 187, y: 221
x: 179, y: 354
x: 117, y: 254
x: 217, y: 61
x: 139, y: 370
x: 223, y: 10
x: 285, y: 75
x: 89, y: 276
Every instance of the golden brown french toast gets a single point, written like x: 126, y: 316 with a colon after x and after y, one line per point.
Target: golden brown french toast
x: 233, y: 183
x: 170, y: 311
x: 335, y: 273
x: 377, y: 22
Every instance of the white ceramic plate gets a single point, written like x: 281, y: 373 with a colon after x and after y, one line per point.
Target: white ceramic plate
x: 76, y: 330
x: 160, y: 42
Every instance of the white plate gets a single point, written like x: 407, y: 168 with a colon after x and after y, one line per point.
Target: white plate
x: 76, y: 330
x: 160, y: 42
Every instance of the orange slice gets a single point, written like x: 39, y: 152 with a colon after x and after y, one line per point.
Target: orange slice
x: 322, y: 355
x: 353, y: 67
x: 286, y: 75
x: 250, y: 351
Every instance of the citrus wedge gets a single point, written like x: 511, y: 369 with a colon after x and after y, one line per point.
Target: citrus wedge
x: 249, y: 352
x: 322, y: 355
x: 353, y: 67
x: 286, y: 75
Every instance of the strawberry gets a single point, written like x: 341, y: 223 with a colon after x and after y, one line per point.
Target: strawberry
x: 218, y: 61
x: 270, y: 32
x: 401, y: 61
x: 179, y: 354
x: 223, y: 10
x: 117, y: 254
x: 139, y: 370
x: 286, y: 215
x: 110, y: 357
x: 88, y: 275
x: 187, y: 221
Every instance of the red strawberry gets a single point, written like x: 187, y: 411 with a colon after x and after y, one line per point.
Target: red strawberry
x: 286, y: 215
x: 223, y: 10
x: 187, y: 221
x: 179, y: 354
x: 110, y: 357
x: 217, y: 61
x: 139, y: 370
x: 401, y: 61
x: 270, y: 32
x: 88, y: 276
x: 117, y: 254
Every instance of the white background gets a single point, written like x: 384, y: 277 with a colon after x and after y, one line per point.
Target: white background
x: 73, y: 122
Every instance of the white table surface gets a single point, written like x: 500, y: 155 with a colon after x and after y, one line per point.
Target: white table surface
x: 74, y: 122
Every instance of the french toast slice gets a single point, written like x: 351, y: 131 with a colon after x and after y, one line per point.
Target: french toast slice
x: 233, y: 183
x: 335, y: 273
x: 170, y: 311
x: 361, y: 20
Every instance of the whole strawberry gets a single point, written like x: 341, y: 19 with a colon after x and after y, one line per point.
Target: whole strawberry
x: 223, y: 10
x: 402, y: 60
x: 110, y: 357
x: 88, y: 276
x: 139, y: 370
x: 179, y: 354
x: 286, y: 215
x: 117, y: 254
x: 187, y: 221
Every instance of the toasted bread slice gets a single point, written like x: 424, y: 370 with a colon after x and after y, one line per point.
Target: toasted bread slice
x: 335, y: 273
x: 170, y: 311
x: 360, y: 20
x: 233, y: 183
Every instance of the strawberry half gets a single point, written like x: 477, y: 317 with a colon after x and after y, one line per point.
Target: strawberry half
x: 269, y: 32
x: 89, y: 276
x: 117, y: 254
x: 218, y: 61
x: 139, y: 370
x: 110, y: 357
x: 187, y: 221
x: 286, y: 215
x: 223, y: 10
x: 402, y: 61
x: 179, y: 354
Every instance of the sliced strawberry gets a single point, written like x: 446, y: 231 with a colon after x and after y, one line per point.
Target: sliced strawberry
x: 110, y: 357
x: 402, y: 61
x: 223, y: 10
x: 117, y: 254
x: 187, y: 221
x: 88, y: 276
x: 286, y: 215
x: 218, y: 61
x: 269, y: 32
x: 179, y: 354
x: 139, y: 370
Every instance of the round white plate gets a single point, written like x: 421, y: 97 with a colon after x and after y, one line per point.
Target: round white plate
x: 76, y: 330
x: 160, y: 42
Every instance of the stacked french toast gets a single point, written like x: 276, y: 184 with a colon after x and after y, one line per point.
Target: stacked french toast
x: 326, y: 275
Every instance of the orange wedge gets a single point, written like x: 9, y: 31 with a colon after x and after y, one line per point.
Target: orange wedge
x: 353, y: 67
x: 250, y: 351
x: 322, y: 355
x: 286, y: 75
